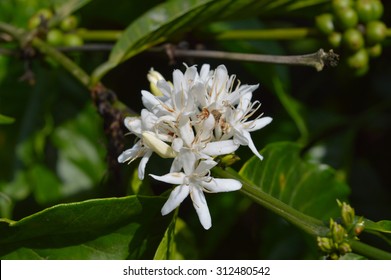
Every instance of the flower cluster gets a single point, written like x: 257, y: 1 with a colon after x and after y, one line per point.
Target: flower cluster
x: 194, y: 119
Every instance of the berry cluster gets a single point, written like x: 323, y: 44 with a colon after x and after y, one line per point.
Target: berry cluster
x: 64, y: 34
x: 354, y: 25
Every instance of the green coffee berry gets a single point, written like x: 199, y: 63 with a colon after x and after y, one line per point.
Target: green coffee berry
x: 39, y: 17
x: 375, y: 32
x: 361, y: 71
x: 364, y: 10
x: 378, y: 9
x: 46, y: 14
x: 55, y: 37
x: 369, y: 10
x: 325, y: 23
x: 34, y: 22
x: 358, y: 60
x: 352, y: 39
x: 346, y: 18
x: 69, y: 23
x: 340, y: 4
x: 335, y: 39
x: 375, y: 50
x: 72, y: 40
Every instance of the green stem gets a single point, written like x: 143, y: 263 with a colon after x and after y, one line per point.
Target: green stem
x: 369, y: 251
x: 265, y: 34
x: 67, y: 63
x: 307, y: 223
x: 99, y: 35
x: 17, y: 33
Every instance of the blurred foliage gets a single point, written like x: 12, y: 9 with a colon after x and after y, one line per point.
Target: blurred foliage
x: 57, y: 191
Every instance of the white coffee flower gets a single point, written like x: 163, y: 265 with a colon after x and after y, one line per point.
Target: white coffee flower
x: 194, y: 181
x: 199, y: 116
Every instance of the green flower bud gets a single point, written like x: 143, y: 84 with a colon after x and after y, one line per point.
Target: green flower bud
x: 352, y: 39
x: 325, y: 23
x: 228, y: 160
x: 376, y: 32
x: 325, y: 244
x: 153, y: 77
x: 338, y: 232
x: 347, y: 214
x: 344, y: 248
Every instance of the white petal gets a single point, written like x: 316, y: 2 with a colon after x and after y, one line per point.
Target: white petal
x: 221, y: 78
x: 201, y: 207
x: 133, y: 124
x: 204, y: 72
x: 221, y: 185
x: 220, y: 148
x: 176, y: 165
x: 250, y: 143
x: 179, y: 81
x: 188, y: 160
x: 149, y: 100
x: 244, y: 103
x: 177, y: 144
x: 143, y: 163
x: 198, y: 92
x: 243, y: 92
x: 148, y: 120
x: 175, y: 199
x: 204, y: 166
x: 175, y: 178
x: 259, y: 123
x: 191, y: 75
x: 186, y: 131
x: 206, y: 129
x: 131, y: 153
x: 164, y: 87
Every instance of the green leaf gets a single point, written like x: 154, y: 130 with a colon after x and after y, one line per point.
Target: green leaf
x: 383, y: 226
x: 6, y: 120
x: 294, y: 108
x: 178, y: 242
x: 111, y: 228
x: 166, y: 248
x: 177, y: 16
x: 352, y: 256
x: 308, y: 187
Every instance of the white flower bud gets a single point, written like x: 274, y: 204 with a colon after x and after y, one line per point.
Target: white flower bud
x: 157, y: 145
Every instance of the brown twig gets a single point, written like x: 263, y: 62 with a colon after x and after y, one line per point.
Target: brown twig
x: 317, y: 60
